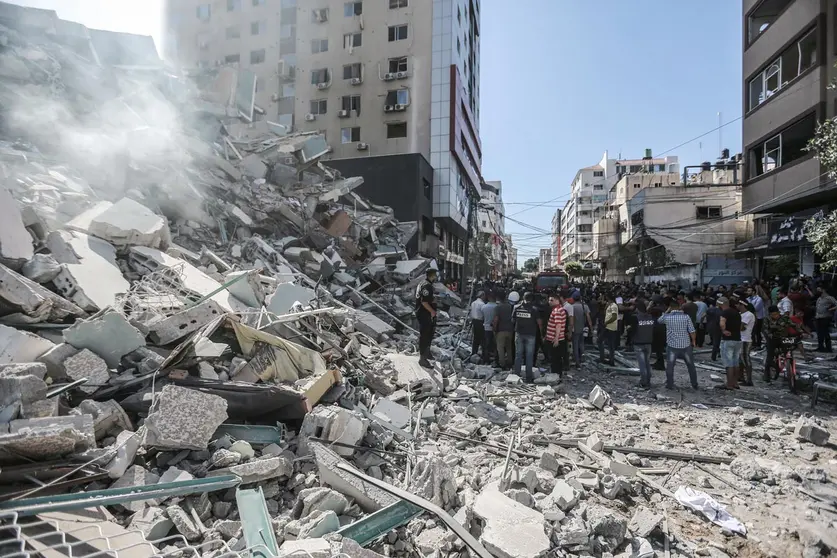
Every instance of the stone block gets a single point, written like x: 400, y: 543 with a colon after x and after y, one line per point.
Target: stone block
x: 396, y: 414
x: 415, y: 378
x: 42, y: 439
x: 19, y: 346
x: 512, y: 530
x: 109, y: 335
x: 608, y: 524
x: 152, y: 522
x: 564, y: 496
x: 184, y: 523
x: 32, y: 302
x: 334, y: 424
x: 368, y: 497
x: 183, y: 418
x: 87, y: 364
x: 124, y: 223
x: 622, y: 469
x: 244, y: 449
x: 225, y: 458
x: 136, y: 476
x: 259, y: 470
x: 173, y: 474
x: 25, y: 389
x: 549, y: 462
x: 319, y: 499
x: 809, y: 431
x: 643, y: 522
x: 598, y: 397
x: 54, y: 359
x: 41, y: 268
x: 371, y: 325
x: 594, y: 442
x: 184, y: 323
x: 35, y: 369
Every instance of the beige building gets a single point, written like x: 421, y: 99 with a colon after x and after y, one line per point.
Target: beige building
x: 392, y: 84
x: 544, y: 259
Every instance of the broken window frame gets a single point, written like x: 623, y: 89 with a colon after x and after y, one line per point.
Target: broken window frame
x: 258, y: 56
x: 258, y: 28
x: 355, y: 70
x: 354, y: 8
x: 323, y: 12
x: 318, y: 106
x: 350, y: 134
x: 398, y: 97
x: 352, y: 40
x: 319, y: 45
x: 398, y: 33
x: 756, y: 29
x: 704, y: 212
x: 396, y: 126
x: 350, y: 103
x: 785, y: 69
x: 232, y: 59
x: 320, y: 72
x: 399, y: 64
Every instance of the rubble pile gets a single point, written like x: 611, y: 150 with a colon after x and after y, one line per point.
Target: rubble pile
x: 208, y: 333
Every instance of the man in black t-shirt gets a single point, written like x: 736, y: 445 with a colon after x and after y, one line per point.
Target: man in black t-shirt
x: 730, y: 341
x: 527, y: 325
x: 426, y: 315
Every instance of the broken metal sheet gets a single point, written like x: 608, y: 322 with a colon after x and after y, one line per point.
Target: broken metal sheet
x: 256, y: 523
x: 369, y: 529
x: 272, y: 358
x: 110, y: 496
x: 251, y: 433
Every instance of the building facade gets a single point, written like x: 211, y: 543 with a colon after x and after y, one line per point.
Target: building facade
x: 589, y: 191
x: 788, y: 60
x: 544, y: 259
x: 556, y: 238
x: 392, y: 84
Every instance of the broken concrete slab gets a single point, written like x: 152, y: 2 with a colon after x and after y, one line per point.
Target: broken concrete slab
x: 124, y: 223
x: 136, y: 476
x: 108, y: 416
x: 20, y: 369
x: 259, y: 470
x: 109, y: 335
x: 316, y: 525
x: 371, y: 325
x: 248, y: 290
x: 25, y: 301
x: 368, y: 497
x: 599, y: 397
x: 39, y: 409
x: 20, y: 346
x: 184, y: 523
x: 496, y: 415
x: 89, y: 275
x: 311, y: 500
x: 178, y: 326
x: 41, y: 439
x: 564, y: 495
x: 182, y: 418
x: 434, y: 480
x: 594, y: 442
x: 394, y: 413
x: 152, y: 522
x: 126, y: 446
x: 334, y: 424
x: 413, y: 377
x: 15, y: 240
x: 314, y: 548
x: 809, y: 431
x: 87, y: 364
x: 608, y: 524
x: 53, y: 359
x: 41, y: 268
x: 644, y: 521
x: 286, y: 295
x: 173, y: 474
x: 511, y: 530
x: 24, y: 389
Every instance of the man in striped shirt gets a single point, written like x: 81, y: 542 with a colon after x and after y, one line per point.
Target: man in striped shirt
x: 556, y: 329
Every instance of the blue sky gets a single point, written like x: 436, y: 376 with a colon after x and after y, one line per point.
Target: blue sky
x: 564, y: 80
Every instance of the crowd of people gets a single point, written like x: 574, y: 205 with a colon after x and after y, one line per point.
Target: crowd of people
x: 659, y: 324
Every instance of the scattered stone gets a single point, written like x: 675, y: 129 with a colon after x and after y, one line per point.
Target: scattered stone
x: 182, y: 418
x: 564, y: 496
x: 228, y: 529
x: 747, y: 468
x: 136, y: 476
x: 183, y: 523
x: 225, y: 458
x: 244, y: 449
x: 809, y: 431
x: 109, y: 336
x: 643, y: 522
x: 608, y: 524
x: 512, y: 530
x: 259, y: 470
x: 594, y: 442
x: 433, y: 480
x: 152, y: 522
x: 334, y: 424
x: 487, y: 411
x: 598, y: 398
x: 320, y: 499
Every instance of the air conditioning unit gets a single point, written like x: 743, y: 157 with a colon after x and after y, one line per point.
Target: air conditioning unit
x: 356, y: 81
x: 342, y: 114
x: 389, y: 76
x: 362, y: 146
x: 274, y: 97
x: 321, y: 15
x: 322, y: 85
x: 389, y: 108
x: 401, y: 75
x: 310, y: 117
x: 399, y: 107
x: 290, y: 161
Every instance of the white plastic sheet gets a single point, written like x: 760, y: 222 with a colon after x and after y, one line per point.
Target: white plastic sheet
x: 709, y: 507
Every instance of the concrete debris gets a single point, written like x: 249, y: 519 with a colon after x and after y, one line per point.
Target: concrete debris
x: 320, y: 499
x: 260, y: 470
x: 809, y: 431
x: 487, y: 411
x: 415, y: 378
x: 41, y: 268
x: 564, y: 496
x: 42, y: 439
x: 334, y: 424
x: 108, y: 335
x: 434, y: 481
x: 643, y: 522
x: 511, y: 530
x: 182, y: 418
x: 18, y: 346
x: 183, y: 323
x: 136, y: 476
x: 599, y: 398
x: 124, y: 223
x: 86, y: 364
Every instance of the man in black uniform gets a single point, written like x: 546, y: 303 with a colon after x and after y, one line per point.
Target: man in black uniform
x: 426, y: 315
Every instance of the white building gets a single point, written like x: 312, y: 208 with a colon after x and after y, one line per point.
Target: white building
x: 556, y: 238
x: 590, y: 190
x: 545, y: 259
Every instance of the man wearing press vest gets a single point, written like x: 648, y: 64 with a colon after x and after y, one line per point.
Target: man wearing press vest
x: 426, y: 315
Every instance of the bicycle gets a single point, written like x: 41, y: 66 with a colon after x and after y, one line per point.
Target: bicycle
x: 785, y: 362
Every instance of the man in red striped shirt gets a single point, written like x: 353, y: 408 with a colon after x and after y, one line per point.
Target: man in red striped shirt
x: 556, y: 329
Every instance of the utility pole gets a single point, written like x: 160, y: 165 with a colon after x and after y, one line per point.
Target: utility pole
x: 472, y: 217
x: 642, y: 255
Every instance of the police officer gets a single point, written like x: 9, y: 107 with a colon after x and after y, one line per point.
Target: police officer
x: 527, y: 324
x: 426, y: 315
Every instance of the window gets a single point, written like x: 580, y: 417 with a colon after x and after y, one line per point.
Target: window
x: 763, y: 17
x: 257, y: 3
x: 657, y: 184
x: 350, y: 102
x: 397, y: 33
x: 257, y: 56
x: 638, y: 217
x: 352, y: 8
x: 793, y: 61
x: 398, y: 97
x: 585, y: 228
x: 398, y: 64
x: 349, y: 135
x: 319, y: 15
x: 397, y: 130
x: 318, y: 106
x: 258, y: 28
x: 598, y: 186
x: 784, y: 148
x: 232, y: 59
x: 232, y: 32
x: 708, y: 212
x: 233, y: 5
x: 394, y: 4
x: 637, y: 186
x: 319, y: 45
x: 351, y: 71
x: 598, y: 173
x: 635, y: 168
x: 204, y: 12
x: 351, y: 40
x: 661, y: 168
x: 319, y: 76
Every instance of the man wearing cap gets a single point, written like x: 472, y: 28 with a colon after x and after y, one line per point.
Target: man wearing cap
x: 426, y: 315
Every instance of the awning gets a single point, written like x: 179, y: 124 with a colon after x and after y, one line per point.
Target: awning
x: 758, y: 243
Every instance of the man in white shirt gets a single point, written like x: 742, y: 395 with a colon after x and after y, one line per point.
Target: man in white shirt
x: 477, y: 318
x: 785, y: 303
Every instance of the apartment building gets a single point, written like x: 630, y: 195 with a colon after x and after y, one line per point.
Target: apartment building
x: 556, y: 238
x: 789, y: 51
x: 590, y: 190
x: 511, y: 255
x: 544, y: 259
x: 392, y: 84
